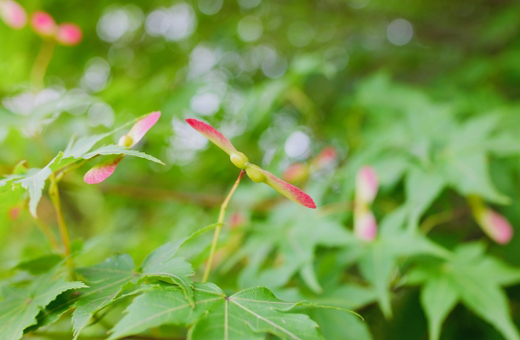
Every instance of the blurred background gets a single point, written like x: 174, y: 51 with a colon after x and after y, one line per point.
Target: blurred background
x: 425, y: 92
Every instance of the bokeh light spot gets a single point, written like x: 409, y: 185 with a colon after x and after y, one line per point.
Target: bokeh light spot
x: 399, y: 32
x: 210, y: 7
x: 248, y: 4
x: 297, y: 145
x: 300, y: 34
x: 205, y: 103
x: 357, y: 4
x: 250, y: 28
x: 100, y: 114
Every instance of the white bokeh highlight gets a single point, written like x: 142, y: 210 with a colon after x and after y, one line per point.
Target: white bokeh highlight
x: 174, y: 23
x: 250, y: 28
x: 210, y: 7
x: 100, y: 114
x: 399, y: 32
x: 205, y: 104
x: 96, y: 75
x: 298, y: 145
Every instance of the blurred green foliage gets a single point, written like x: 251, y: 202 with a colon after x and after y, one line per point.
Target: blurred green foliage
x: 425, y: 92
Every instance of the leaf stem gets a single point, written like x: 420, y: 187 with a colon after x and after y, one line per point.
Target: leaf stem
x: 65, y: 170
x: 42, y: 62
x: 440, y: 218
x: 64, y: 233
x: 220, y: 222
x: 316, y: 305
x: 44, y: 228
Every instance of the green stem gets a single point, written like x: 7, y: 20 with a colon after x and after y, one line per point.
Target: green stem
x: 220, y: 222
x: 42, y: 62
x: 64, y: 233
x: 441, y: 218
x: 44, y: 228
x: 65, y: 170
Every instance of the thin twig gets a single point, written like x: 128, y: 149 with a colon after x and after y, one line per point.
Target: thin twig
x: 42, y: 63
x: 220, y: 222
x: 44, y: 228
x: 440, y: 218
x: 337, y: 207
x: 161, y: 195
x: 64, y: 232
x: 70, y: 168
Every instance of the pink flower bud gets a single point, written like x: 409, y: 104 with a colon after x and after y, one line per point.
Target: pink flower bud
x: 254, y: 172
x: 213, y: 135
x: 69, y: 34
x: 107, y: 167
x: 14, y: 212
x: 43, y: 24
x: 287, y: 189
x: 237, y: 220
x: 141, y: 127
x: 296, y: 172
x: 13, y: 14
x: 326, y: 157
x: 367, y: 185
x: 365, y: 225
x: 102, y: 171
x: 496, y: 226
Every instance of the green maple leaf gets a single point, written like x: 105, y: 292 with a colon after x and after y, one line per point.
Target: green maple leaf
x: 343, y: 297
x: 251, y: 313
x: 20, y: 306
x: 469, y: 174
x: 166, y: 305
x: 105, y: 282
x: 438, y: 298
x: 295, y: 236
x: 54, y: 310
x: 161, y: 265
x: 248, y: 314
x: 472, y: 278
x: 108, y: 280
x: 381, y: 256
x: 33, y: 180
x: 464, y: 161
x: 423, y: 186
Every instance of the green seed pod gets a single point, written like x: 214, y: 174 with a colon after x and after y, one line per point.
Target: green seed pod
x: 125, y: 141
x: 255, y: 173
x: 239, y: 159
